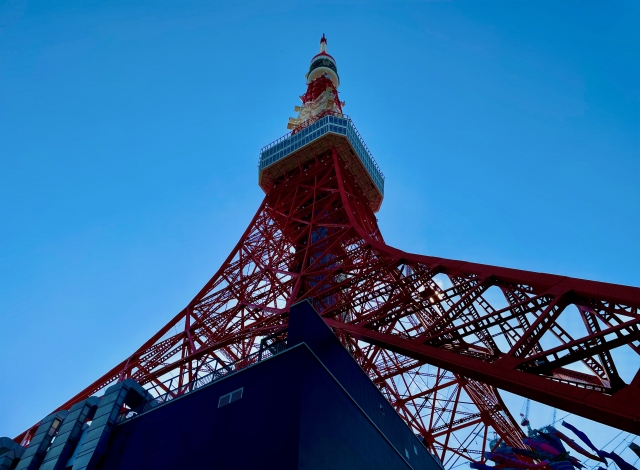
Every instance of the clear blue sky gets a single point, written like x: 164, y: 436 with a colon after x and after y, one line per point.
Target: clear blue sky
x: 509, y: 134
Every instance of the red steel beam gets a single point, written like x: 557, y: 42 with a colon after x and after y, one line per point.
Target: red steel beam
x: 620, y: 410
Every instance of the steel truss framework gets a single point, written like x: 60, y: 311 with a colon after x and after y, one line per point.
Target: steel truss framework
x: 437, y: 336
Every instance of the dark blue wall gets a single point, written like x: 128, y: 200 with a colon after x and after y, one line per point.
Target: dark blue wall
x: 258, y: 431
x: 305, y: 325
x: 296, y: 413
x: 335, y: 433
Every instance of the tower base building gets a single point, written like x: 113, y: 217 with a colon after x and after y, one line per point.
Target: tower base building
x: 305, y: 404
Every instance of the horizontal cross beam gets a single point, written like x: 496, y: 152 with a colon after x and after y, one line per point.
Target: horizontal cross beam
x: 620, y: 410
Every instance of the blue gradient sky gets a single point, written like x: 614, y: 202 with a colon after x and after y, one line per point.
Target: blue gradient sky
x: 509, y: 134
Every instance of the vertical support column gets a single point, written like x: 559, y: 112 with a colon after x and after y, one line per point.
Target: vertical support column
x: 33, y: 455
x: 10, y: 453
x: 69, y: 434
x: 128, y: 393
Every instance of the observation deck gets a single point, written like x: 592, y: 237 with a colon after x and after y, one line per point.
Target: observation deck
x: 291, y: 150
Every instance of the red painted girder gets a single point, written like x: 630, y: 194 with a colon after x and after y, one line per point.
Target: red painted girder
x: 542, y: 282
x: 620, y: 410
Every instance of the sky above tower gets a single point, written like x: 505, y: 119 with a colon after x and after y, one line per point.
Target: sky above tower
x: 508, y: 132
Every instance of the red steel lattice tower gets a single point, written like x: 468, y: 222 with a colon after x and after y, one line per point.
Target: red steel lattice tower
x: 437, y: 336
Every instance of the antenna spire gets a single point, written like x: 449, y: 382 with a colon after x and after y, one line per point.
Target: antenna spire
x: 321, y: 97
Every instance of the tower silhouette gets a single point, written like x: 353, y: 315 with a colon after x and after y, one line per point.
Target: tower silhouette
x: 437, y: 336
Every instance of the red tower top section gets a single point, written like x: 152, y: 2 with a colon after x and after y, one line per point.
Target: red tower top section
x: 321, y: 97
x: 320, y: 127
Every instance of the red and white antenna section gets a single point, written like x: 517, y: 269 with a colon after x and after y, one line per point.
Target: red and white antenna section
x: 321, y: 97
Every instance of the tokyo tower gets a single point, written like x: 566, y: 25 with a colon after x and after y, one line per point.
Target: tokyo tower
x: 438, y: 337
